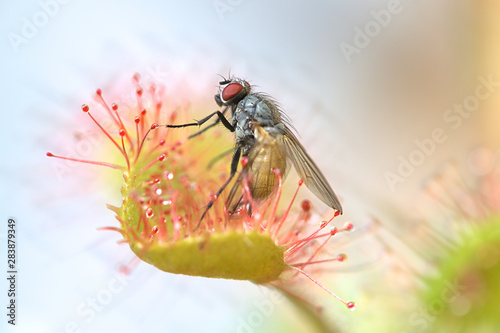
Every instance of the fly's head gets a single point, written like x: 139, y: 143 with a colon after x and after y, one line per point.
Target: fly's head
x: 232, y: 91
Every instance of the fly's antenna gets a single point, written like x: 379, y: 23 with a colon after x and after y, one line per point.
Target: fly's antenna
x: 222, y: 77
x: 225, y: 80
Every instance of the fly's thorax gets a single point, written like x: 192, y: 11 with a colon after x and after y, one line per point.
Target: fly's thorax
x: 242, y: 122
x: 259, y: 108
x: 266, y: 112
x: 243, y: 132
x: 255, y: 110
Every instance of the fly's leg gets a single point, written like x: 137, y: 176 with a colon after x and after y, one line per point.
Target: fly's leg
x: 221, y: 118
x: 211, y: 125
x: 225, y: 122
x: 217, y: 158
x: 234, y: 167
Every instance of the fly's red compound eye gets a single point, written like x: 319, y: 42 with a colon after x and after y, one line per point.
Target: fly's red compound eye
x: 231, y: 90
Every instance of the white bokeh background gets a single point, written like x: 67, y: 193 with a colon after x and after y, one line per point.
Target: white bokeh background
x: 354, y: 117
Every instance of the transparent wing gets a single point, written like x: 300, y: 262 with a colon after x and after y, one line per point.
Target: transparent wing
x: 267, y: 154
x: 309, y: 172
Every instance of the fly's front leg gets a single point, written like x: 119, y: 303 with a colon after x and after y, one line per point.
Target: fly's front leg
x: 211, y: 125
x: 221, y: 116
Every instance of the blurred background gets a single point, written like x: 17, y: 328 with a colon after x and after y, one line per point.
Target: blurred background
x: 395, y: 100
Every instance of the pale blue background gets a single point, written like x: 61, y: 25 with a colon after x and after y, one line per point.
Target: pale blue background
x: 355, y: 119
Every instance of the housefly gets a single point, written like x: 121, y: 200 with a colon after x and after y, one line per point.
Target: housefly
x: 263, y: 134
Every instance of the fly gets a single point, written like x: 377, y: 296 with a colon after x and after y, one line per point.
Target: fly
x: 263, y: 134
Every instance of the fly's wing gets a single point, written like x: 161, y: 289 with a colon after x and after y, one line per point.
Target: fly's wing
x: 309, y: 172
x: 268, y: 153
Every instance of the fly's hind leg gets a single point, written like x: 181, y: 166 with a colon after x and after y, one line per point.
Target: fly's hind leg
x: 234, y: 167
x: 217, y: 158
